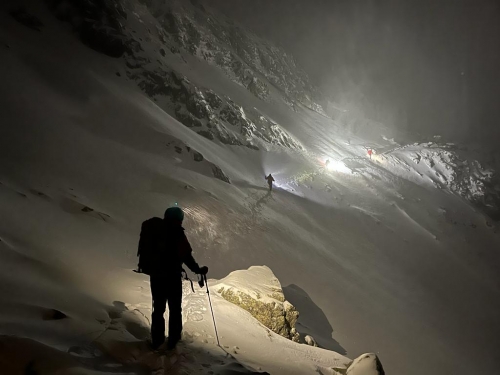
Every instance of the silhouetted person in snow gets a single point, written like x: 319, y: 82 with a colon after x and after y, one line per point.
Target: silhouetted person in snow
x: 270, y: 181
x: 370, y: 152
x: 163, y: 248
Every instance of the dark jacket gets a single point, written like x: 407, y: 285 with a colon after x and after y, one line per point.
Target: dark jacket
x: 166, y: 247
x: 270, y: 179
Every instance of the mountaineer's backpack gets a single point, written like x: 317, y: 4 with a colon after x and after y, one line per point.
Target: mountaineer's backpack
x: 158, y: 250
x: 153, y: 250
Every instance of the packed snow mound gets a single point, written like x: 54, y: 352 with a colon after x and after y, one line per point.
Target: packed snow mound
x: 259, y: 292
x: 366, y: 364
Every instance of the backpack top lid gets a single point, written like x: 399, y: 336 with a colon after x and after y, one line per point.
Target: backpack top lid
x: 174, y: 214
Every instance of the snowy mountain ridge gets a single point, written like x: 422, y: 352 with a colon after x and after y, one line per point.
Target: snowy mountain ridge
x: 174, y: 29
x: 178, y: 27
x: 242, y: 55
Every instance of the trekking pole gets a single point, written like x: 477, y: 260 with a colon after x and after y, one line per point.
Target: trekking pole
x: 204, y: 278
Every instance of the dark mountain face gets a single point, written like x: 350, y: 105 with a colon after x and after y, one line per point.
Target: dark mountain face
x: 425, y: 66
x: 153, y: 36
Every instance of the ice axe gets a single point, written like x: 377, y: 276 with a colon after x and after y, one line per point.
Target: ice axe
x: 203, y: 282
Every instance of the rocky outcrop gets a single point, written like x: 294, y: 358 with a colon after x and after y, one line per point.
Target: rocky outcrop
x: 99, y: 23
x: 243, y: 56
x: 21, y: 15
x: 117, y: 29
x: 205, y: 166
x: 211, y: 115
x: 259, y: 292
x: 366, y: 364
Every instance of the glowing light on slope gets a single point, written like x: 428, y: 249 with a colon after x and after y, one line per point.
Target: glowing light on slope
x: 337, y: 166
x: 204, y: 227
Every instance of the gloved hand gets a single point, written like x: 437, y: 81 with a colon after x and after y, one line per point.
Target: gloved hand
x: 203, y: 270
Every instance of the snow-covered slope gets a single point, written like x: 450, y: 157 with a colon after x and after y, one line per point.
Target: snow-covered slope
x: 162, y: 42
x: 445, y: 166
x: 371, y: 260
x: 117, y: 341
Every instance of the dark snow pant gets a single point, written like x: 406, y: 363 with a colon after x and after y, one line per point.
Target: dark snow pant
x: 163, y: 290
x: 270, y: 186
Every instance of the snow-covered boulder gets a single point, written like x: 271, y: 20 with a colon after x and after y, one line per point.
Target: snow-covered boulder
x: 258, y: 291
x: 310, y: 340
x: 366, y: 364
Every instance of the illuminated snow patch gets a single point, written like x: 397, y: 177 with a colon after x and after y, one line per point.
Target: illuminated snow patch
x: 338, y: 166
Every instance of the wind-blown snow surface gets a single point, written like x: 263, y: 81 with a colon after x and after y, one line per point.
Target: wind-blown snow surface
x: 377, y: 262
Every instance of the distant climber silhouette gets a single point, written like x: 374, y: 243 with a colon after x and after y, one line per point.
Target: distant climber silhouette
x: 163, y: 248
x: 270, y: 180
x: 370, y: 152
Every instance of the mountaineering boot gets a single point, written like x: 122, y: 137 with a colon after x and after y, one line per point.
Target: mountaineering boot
x: 155, y: 344
x: 172, y: 342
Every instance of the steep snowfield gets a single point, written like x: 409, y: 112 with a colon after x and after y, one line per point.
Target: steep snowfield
x: 445, y: 167
x: 372, y: 261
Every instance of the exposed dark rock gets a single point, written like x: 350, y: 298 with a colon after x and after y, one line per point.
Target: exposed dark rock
x: 96, y: 21
x: 53, y: 314
x: 258, y: 88
x: 103, y: 40
x: 197, y: 106
x: 229, y: 139
x: 218, y: 173
x: 153, y: 83
x: 207, y: 134
x: 187, y: 118
x: 22, y: 16
x: 213, y: 99
x: 251, y: 146
x: 40, y: 194
x: 197, y: 156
